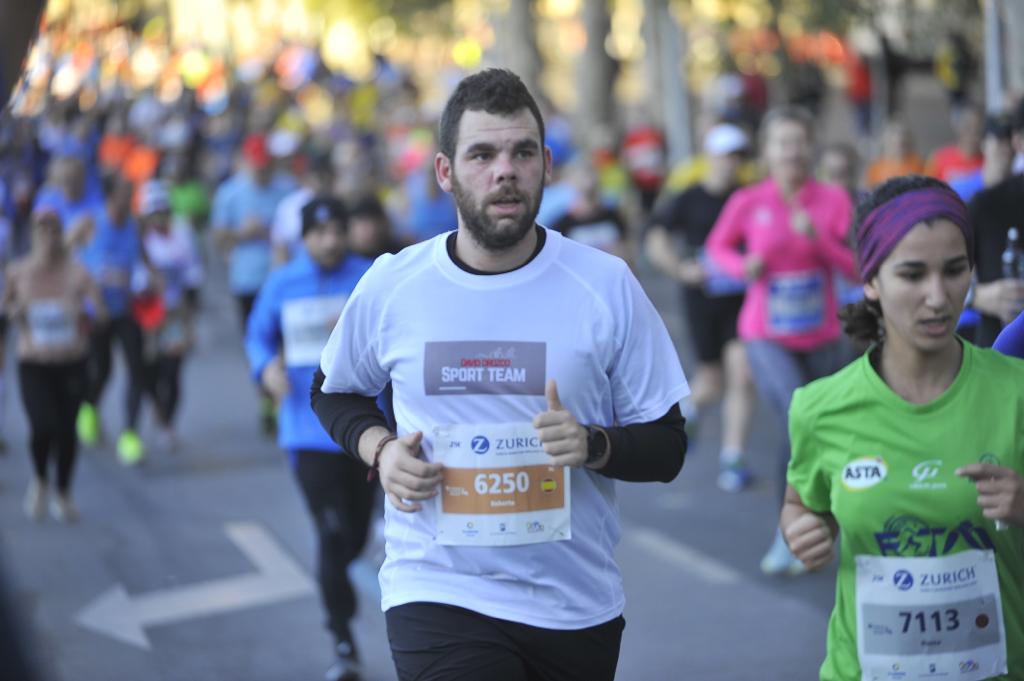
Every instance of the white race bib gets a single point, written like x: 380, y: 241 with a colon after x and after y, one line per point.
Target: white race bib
x: 600, y: 235
x: 499, y: 487
x: 928, y: 618
x: 51, y: 324
x: 796, y: 302
x: 306, y: 325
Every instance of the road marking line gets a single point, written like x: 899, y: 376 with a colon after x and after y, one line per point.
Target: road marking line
x: 679, y: 554
x: 278, y: 577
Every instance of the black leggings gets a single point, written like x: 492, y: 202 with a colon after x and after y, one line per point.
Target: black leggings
x: 435, y: 642
x: 52, y: 394
x: 128, y: 333
x: 340, y: 500
x: 245, y: 302
x: 163, y: 382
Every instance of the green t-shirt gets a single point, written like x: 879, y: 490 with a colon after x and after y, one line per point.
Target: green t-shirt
x: 190, y: 200
x: 914, y: 505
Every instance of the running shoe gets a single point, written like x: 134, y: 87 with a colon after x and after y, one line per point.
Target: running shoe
x: 780, y: 560
x: 35, y: 499
x: 62, y: 509
x: 130, y: 449
x: 167, y: 440
x: 88, y: 425
x: 734, y: 477
x: 346, y: 667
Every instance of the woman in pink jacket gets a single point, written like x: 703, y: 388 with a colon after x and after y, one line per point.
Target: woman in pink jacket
x: 787, y: 236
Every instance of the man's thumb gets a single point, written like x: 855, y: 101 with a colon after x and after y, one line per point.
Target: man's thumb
x: 551, y: 393
x: 414, y: 440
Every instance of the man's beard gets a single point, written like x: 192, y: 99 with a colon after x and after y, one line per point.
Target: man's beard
x: 487, y: 232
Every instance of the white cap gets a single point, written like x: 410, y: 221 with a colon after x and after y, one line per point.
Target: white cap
x: 723, y: 139
x: 153, y: 198
x: 282, y: 143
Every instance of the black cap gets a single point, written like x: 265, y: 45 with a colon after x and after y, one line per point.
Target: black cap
x: 367, y: 206
x: 323, y: 209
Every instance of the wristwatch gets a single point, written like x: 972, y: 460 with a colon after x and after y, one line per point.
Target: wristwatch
x: 597, y: 444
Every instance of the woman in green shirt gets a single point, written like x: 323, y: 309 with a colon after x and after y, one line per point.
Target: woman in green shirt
x: 915, y: 451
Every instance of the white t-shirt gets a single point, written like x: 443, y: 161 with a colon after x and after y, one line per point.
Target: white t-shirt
x: 175, y: 256
x: 574, y: 314
x: 286, y: 229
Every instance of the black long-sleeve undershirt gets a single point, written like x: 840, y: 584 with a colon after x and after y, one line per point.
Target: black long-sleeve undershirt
x: 640, y: 452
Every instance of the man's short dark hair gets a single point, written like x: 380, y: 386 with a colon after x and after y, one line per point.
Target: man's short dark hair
x: 496, y: 91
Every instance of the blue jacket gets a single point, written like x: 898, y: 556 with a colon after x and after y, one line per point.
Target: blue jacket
x: 293, y: 316
x: 111, y: 258
x: 1011, y: 339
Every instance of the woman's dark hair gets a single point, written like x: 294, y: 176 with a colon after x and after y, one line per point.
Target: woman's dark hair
x: 862, y: 321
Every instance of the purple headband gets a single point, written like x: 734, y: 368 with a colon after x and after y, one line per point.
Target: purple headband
x: 887, y: 224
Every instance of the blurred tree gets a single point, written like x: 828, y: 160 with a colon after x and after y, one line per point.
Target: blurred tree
x: 1013, y: 16
x: 597, y: 69
x: 517, y: 42
x: 402, y: 11
x: 20, y: 21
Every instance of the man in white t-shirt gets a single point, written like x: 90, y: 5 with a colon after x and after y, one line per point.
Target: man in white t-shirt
x: 528, y: 373
x: 286, y: 229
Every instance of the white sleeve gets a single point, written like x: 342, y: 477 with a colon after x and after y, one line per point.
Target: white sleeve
x: 279, y: 231
x: 351, y: 358
x: 194, y: 274
x: 646, y: 376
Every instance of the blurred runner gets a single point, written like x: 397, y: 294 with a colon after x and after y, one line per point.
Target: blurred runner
x: 369, y: 229
x: 112, y: 255
x: 589, y: 220
x: 6, y: 255
x: 711, y: 298
x: 997, y: 152
x: 243, y: 212
x: 45, y: 296
x: 954, y: 160
x: 896, y: 158
x: 289, y: 326
x: 286, y: 230
x: 171, y: 250
x: 998, y: 295
x: 787, y: 236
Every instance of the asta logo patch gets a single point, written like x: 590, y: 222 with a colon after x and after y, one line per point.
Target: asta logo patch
x: 911, y: 537
x: 865, y: 472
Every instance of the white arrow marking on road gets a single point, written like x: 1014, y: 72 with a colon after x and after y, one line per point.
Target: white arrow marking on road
x: 677, y: 553
x: 278, y: 578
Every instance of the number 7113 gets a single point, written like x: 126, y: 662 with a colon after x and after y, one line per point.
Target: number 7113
x: 931, y: 621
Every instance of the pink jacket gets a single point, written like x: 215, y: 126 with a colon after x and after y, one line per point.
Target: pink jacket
x: 792, y: 302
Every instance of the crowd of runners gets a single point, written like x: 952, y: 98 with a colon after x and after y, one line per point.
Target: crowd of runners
x: 359, y: 251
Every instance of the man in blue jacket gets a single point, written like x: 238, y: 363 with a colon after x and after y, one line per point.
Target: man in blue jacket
x: 290, y: 323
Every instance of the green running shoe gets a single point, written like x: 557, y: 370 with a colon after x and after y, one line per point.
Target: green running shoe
x: 130, y: 448
x: 88, y: 425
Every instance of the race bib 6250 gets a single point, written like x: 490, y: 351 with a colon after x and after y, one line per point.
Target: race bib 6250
x: 499, y: 487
